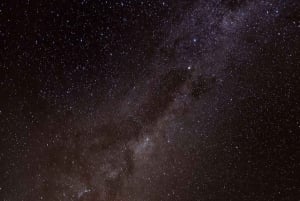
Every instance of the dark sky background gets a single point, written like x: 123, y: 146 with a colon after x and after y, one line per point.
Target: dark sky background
x: 149, y: 100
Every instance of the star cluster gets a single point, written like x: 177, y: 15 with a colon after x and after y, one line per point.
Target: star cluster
x: 149, y: 100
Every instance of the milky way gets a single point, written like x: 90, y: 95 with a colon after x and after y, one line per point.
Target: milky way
x: 149, y: 101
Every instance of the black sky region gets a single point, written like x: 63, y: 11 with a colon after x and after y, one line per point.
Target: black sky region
x: 139, y: 100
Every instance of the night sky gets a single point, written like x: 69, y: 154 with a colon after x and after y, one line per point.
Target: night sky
x: 149, y: 100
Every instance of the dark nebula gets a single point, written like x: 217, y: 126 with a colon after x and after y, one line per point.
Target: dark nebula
x: 149, y: 100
